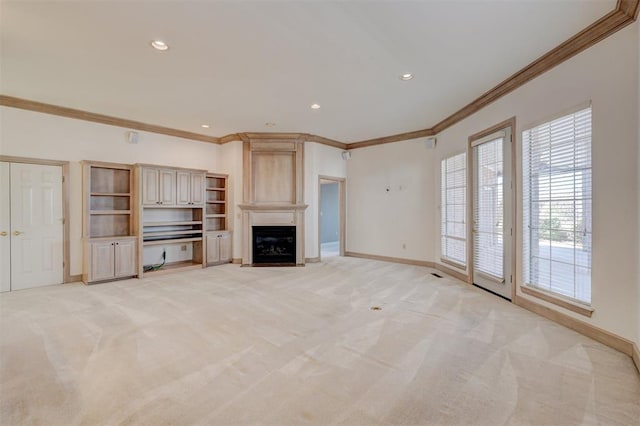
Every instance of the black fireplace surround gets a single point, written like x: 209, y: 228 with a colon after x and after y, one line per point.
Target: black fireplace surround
x: 274, y: 245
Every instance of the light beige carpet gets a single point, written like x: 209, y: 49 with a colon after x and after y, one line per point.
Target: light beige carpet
x: 231, y: 345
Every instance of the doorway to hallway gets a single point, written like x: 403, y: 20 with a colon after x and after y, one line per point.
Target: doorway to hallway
x: 331, y: 216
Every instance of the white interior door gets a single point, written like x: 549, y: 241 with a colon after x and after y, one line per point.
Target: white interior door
x: 492, y: 226
x: 36, y: 225
x: 5, y: 229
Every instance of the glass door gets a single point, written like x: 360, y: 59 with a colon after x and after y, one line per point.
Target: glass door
x: 492, y: 229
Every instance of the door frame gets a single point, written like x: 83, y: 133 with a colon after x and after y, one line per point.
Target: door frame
x: 341, y: 210
x: 66, y: 247
x: 511, y: 124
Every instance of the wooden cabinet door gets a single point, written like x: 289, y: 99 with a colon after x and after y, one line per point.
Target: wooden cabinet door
x: 150, y: 186
x: 167, y: 187
x: 224, y: 247
x: 102, y: 262
x: 213, y: 249
x: 183, y: 193
x: 125, y: 258
x: 197, y: 189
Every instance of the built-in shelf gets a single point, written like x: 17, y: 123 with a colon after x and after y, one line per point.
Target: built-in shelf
x: 171, y: 241
x: 216, y: 189
x: 172, y: 223
x: 216, y: 202
x: 110, y: 212
x: 175, y: 267
x: 216, y: 215
x: 165, y: 233
x: 111, y: 194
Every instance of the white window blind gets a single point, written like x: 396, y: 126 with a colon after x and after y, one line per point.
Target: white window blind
x: 488, y: 212
x: 453, y: 189
x: 557, y: 197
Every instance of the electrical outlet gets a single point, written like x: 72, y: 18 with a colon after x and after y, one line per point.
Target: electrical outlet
x: 183, y: 247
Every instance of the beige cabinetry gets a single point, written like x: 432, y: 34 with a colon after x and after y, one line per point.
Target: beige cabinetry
x: 190, y: 188
x: 170, y: 218
x: 111, y: 259
x: 159, y: 186
x: 218, y: 247
x: 109, y: 242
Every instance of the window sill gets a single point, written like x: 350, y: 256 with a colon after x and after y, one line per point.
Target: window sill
x: 558, y: 300
x: 453, y: 263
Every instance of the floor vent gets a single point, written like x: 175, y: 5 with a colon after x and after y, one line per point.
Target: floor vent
x: 436, y: 275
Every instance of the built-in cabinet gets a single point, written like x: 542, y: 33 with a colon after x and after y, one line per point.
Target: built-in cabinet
x: 158, y: 187
x: 108, y: 232
x: 111, y: 259
x: 218, y: 247
x: 190, y: 188
x: 148, y: 219
x: 170, y: 218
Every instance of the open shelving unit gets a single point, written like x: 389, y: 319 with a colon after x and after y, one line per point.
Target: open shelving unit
x: 108, y: 232
x: 216, y: 202
x: 217, y: 234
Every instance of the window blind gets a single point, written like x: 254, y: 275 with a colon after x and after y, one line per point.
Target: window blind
x: 488, y: 212
x: 557, y: 182
x: 453, y: 188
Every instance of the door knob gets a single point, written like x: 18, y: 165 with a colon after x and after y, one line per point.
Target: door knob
x: 16, y: 233
x: 3, y: 234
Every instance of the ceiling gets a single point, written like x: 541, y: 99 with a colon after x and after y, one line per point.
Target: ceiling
x: 236, y: 65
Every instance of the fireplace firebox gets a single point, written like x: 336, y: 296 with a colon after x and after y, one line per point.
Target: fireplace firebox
x: 274, y: 245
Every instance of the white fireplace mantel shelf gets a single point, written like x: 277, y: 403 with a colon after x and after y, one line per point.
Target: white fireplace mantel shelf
x: 273, y: 207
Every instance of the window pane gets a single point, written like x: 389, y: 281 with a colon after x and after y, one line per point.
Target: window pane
x: 556, y: 172
x: 453, y: 208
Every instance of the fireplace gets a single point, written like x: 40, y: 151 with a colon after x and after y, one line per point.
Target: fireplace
x: 274, y: 245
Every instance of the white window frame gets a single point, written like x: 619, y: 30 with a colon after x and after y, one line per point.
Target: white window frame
x: 444, y: 219
x: 540, y: 138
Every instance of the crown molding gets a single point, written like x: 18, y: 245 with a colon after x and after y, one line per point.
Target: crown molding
x: 286, y: 136
x: 393, y: 138
x: 629, y: 8
x: 625, y: 13
x: 61, y: 111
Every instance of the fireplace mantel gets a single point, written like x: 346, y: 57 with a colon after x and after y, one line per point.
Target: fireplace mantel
x: 273, y: 189
x: 271, y: 215
x: 273, y: 207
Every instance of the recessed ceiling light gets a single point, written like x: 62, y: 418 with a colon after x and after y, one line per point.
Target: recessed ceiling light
x: 269, y: 124
x: 159, y: 45
x: 406, y: 77
x: 315, y: 106
x: 204, y: 126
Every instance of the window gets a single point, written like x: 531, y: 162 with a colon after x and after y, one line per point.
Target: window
x: 556, y: 183
x: 454, y: 209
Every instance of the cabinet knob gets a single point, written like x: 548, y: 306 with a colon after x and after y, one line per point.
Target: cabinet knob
x: 3, y: 234
x: 117, y: 244
x: 16, y: 233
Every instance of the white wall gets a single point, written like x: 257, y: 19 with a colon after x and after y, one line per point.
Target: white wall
x: 43, y: 136
x: 319, y: 160
x: 231, y: 163
x: 391, y: 194
x: 380, y: 222
x: 606, y: 74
